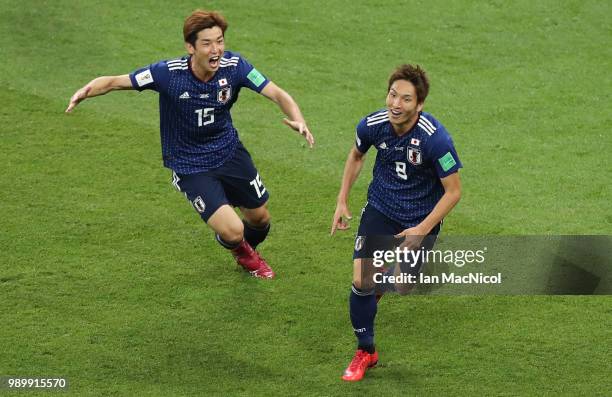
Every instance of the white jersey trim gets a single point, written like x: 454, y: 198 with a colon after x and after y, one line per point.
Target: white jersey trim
x: 378, y: 122
x: 377, y: 118
x: 426, y: 125
x: 225, y: 62
x: 377, y: 115
x: 177, y: 64
x: 429, y: 123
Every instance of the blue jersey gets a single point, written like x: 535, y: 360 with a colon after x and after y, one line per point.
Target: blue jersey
x: 196, y: 127
x: 406, y: 178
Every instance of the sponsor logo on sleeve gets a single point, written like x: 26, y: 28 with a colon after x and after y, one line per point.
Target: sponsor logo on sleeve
x: 447, y: 161
x: 255, y: 77
x: 143, y: 78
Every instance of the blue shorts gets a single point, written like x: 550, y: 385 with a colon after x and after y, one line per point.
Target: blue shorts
x: 376, y: 232
x: 236, y: 183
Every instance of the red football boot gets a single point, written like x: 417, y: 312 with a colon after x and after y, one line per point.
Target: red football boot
x: 250, y: 260
x: 264, y: 270
x: 359, y: 365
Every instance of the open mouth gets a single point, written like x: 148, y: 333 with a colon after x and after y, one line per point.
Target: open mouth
x: 395, y: 113
x: 214, y: 62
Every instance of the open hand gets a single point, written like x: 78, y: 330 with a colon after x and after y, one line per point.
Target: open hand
x: 302, y: 129
x: 78, y: 97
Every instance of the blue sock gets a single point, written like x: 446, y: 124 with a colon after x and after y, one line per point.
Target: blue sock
x: 362, y: 305
x: 255, y: 234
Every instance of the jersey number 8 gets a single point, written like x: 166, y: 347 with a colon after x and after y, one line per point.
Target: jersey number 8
x: 400, y: 168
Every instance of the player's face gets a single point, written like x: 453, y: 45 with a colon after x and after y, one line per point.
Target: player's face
x: 402, y: 105
x: 208, y: 50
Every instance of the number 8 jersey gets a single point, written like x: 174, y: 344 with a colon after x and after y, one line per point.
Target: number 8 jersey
x: 406, y: 178
x: 196, y: 127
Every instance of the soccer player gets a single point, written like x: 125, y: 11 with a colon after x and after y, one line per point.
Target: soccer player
x: 199, y: 142
x: 415, y: 185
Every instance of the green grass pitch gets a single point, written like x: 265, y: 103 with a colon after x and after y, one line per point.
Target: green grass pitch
x: 108, y: 277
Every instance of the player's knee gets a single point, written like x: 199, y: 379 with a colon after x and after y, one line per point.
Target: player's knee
x: 232, y: 232
x: 403, y: 289
x: 363, y: 284
x: 264, y: 219
x: 360, y: 291
x: 260, y: 218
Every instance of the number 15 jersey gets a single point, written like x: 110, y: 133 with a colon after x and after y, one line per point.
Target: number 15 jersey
x: 195, y: 123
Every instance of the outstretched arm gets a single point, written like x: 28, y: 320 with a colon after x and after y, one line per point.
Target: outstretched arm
x: 352, y: 168
x: 99, y: 86
x: 294, y: 119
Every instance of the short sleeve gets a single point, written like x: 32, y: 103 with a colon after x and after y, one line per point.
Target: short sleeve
x: 251, y: 77
x: 152, y: 77
x: 362, y: 137
x: 442, y: 153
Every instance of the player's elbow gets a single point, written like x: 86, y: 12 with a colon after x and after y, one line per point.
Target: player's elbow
x: 278, y: 95
x: 101, y: 85
x: 455, y: 194
x: 452, y: 188
x: 285, y: 100
x: 356, y: 155
x: 114, y: 83
x: 122, y: 82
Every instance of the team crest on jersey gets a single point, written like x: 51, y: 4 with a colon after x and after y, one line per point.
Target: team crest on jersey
x: 199, y: 205
x: 359, y: 242
x: 414, y: 156
x: 224, y: 94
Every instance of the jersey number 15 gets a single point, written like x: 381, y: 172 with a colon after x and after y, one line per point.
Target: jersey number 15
x: 205, y: 116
